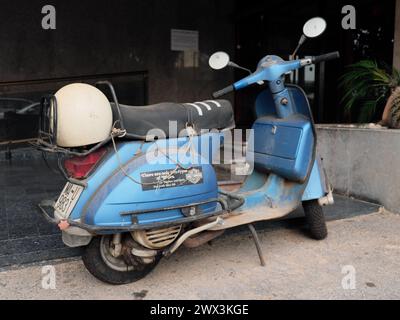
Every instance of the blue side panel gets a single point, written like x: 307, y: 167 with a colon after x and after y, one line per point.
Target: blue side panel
x: 127, y: 196
x: 110, y: 192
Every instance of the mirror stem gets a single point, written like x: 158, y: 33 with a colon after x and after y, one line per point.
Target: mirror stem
x: 301, y: 42
x: 234, y: 65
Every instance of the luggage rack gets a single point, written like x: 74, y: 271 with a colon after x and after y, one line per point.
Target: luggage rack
x: 47, y: 140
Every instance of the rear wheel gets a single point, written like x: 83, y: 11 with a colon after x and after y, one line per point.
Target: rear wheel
x: 126, y: 268
x: 315, y: 219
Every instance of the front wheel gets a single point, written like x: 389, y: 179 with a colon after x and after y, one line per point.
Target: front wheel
x: 315, y: 219
x: 99, y: 261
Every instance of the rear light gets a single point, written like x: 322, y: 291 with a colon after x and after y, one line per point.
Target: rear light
x: 80, y: 167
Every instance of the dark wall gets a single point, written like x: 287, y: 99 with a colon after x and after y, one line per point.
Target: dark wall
x: 275, y: 27
x: 98, y: 37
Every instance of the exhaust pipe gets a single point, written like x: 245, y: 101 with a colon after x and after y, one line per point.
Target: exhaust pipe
x: 190, y: 233
x: 202, y: 238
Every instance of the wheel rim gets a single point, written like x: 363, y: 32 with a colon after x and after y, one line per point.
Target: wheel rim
x: 114, y: 263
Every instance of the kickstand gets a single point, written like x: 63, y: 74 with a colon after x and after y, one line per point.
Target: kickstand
x: 257, y: 243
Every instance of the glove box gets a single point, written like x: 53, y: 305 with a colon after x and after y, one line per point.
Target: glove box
x: 283, y: 146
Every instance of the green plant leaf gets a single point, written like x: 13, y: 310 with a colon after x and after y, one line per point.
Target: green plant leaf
x: 365, y: 85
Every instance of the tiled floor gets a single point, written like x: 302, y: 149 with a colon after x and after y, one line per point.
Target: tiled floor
x: 25, y: 236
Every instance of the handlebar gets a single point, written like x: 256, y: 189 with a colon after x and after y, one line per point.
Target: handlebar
x: 223, y: 92
x: 268, y: 71
x: 326, y: 57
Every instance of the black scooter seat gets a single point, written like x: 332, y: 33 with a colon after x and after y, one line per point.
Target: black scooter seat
x: 205, y: 115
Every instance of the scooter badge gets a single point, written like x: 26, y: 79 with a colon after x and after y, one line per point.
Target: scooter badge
x: 194, y: 176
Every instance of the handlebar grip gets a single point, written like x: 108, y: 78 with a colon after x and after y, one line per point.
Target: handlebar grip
x: 223, y: 92
x: 326, y: 57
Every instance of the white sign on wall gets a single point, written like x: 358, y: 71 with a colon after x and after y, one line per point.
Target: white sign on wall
x: 184, y: 40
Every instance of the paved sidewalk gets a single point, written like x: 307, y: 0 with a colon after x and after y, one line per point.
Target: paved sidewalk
x: 297, y: 268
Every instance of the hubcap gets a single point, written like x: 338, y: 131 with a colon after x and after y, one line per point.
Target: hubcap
x: 114, y: 263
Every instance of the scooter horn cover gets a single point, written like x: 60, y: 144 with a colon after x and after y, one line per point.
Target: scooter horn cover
x: 84, y: 115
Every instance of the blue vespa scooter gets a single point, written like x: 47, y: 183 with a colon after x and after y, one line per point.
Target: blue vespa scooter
x: 129, y: 210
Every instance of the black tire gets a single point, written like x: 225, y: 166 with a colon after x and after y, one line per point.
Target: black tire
x: 316, y: 219
x: 95, y: 263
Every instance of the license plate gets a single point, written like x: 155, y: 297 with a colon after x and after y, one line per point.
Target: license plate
x: 68, y: 199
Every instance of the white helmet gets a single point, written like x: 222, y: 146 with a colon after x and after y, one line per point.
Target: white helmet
x: 84, y: 115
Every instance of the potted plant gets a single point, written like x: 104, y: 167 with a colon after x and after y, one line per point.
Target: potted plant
x: 369, y: 88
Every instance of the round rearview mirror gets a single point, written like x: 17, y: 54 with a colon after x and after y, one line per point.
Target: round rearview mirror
x: 219, y: 60
x: 314, y: 27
